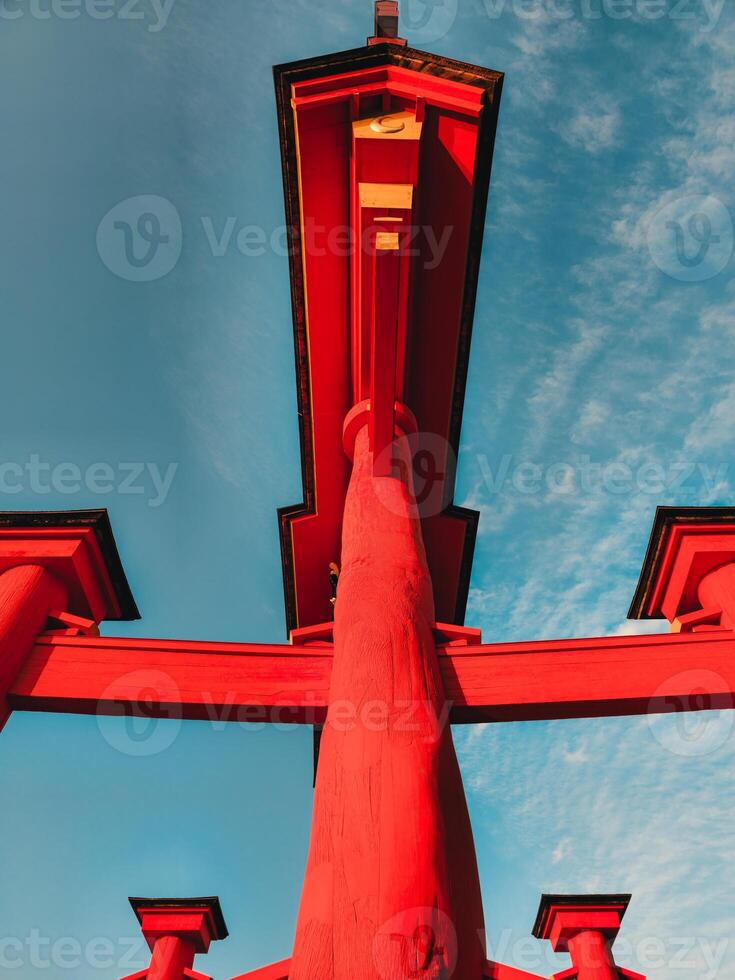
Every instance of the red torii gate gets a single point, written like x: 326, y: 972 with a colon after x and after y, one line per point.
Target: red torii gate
x: 380, y: 141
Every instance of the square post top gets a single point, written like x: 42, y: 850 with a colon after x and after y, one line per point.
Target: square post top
x: 79, y: 547
x: 686, y: 544
x: 198, y: 920
x: 386, y: 24
x: 561, y: 917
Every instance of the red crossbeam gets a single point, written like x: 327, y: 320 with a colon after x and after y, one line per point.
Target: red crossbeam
x: 164, y: 678
x: 591, y: 678
x: 587, y: 678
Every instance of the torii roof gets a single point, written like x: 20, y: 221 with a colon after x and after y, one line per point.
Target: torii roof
x: 462, y: 106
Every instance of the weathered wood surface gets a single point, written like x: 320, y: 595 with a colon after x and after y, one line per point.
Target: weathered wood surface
x: 581, y: 678
x: 236, y: 682
x: 391, y: 887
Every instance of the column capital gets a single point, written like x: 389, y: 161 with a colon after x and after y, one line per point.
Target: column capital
x: 562, y: 917
x: 686, y: 544
x: 195, y: 920
x: 79, y: 548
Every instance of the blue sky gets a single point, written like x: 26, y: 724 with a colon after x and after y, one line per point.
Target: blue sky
x: 601, y: 385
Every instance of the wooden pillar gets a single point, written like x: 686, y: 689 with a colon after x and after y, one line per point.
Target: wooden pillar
x: 171, y: 956
x: 591, y: 955
x: 585, y: 926
x: 176, y: 929
x: 717, y: 591
x: 28, y: 593
x: 391, y: 888
x: 62, y: 565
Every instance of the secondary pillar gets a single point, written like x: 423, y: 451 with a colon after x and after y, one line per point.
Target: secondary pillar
x: 176, y: 929
x: 28, y: 593
x: 585, y: 926
x: 688, y: 574
x: 54, y: 565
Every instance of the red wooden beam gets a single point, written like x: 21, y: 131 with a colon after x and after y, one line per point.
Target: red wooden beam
x: 591, y: 678
x: 587, y: 678
x: 164, y: 678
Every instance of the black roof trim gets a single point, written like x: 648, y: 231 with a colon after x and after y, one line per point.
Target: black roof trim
x: 99, y: 520
x: 211, y: 903
x: 665, y: 518
x: 547, y: 900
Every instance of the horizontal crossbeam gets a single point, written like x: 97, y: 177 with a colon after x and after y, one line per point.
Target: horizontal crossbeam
x: 587, y: 678
x: 591, y: 678
x: 175, y: 678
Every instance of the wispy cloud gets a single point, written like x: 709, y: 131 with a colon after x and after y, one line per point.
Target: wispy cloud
x: 620, y: 811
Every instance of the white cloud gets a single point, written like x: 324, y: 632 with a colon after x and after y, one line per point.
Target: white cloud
x: 637, y: 817
x: 593, y: 127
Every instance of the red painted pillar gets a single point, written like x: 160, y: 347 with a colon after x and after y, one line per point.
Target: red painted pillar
x: 585, y: 926
x: 176, y: 930
x: 391, y: 888
x: 591, y: 956
x: 28, y: 593
x: 60, y: 562
x: 171, y: 956
x: 717, y: 590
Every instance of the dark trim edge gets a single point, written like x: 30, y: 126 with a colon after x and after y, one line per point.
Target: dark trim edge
x: 386, y: 54
x: 547, y: 900
x: 211, y: 903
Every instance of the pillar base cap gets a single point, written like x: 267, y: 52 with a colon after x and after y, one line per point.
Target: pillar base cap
x: 685, y: 544
x: 199, y: 920
x: 79, y: 547
x: 561, y: 917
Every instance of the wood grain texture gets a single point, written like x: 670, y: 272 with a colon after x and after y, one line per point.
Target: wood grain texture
x: 543, y: 679
x: 391, y: 887
x: 237, y: 682
x: 598, y: 677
